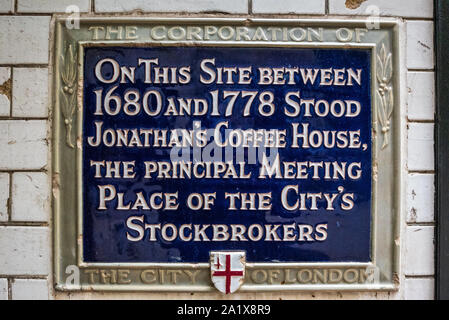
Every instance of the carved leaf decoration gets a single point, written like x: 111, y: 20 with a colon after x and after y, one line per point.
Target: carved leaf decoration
x: 388, y: 71
x: 64, y: 105
x: 384, y: 93
x: 380, y: 111
x: 72, y: 102
x: 68, y: 90
x: 383, y: 52
x: 379, y: 69
x: 382, y: 118
x: 390, y: 103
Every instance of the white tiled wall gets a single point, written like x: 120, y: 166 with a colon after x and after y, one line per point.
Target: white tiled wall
x: 25, y: 216
x: 400, y: 8
x: 3, y: 289
x: 420, y: 53
x: 421, y: 95
x: 25, y: 250
x: 24, y: 144
x: 289, y: 6
x: 29, y: 289
x: 5, y: 105
x: 24, y: 39
x: 193, y: 6
x: 420, y: 146
x: 419, y: 248
x: 420, y: 196
x: 30, y: 97
x: 419, y: 288
x: 4, y: 196
x: 30, y: 191
x: 6, y: 6
x: 47, y: 6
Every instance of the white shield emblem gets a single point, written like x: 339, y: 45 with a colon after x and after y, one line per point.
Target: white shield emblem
x: 227, y: 270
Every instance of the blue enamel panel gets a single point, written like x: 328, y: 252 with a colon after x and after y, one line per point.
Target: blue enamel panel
x: 348, y: 232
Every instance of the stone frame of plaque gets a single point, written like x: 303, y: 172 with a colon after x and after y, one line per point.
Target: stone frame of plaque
x: 388, y: 170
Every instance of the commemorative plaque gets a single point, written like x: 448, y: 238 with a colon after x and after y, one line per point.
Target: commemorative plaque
x: 226, y: 154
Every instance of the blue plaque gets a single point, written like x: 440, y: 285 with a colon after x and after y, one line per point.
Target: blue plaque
x: 293, y: 183
x: 241, y: 154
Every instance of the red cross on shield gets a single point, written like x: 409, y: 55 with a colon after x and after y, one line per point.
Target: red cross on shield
x: 227, y: 270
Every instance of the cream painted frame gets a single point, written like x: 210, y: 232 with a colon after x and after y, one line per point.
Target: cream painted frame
x: 67, y: 204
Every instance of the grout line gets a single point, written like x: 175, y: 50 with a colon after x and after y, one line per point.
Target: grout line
x: 9, y: 288
x: 426, y: 276
x: 131, y: 13
x: 22, y: 118
x: 23, y: 276
x: 16, y: 5
x: 421, y: 224
x: 420, y: 70
x: 30, y: 14
x: 10, y: 197
x: 422, y: 171
x: 11, y: 96
x: 420, y: 121
x: 209, y: 14
x: 24, y: 65
x: 250, y: 7
x: 22, y: 170
x: 23, y: 224
x: 417, y: 19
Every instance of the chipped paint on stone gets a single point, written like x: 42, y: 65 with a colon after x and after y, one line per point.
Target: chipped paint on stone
x: 5, y: 91
x: 353, y: 4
